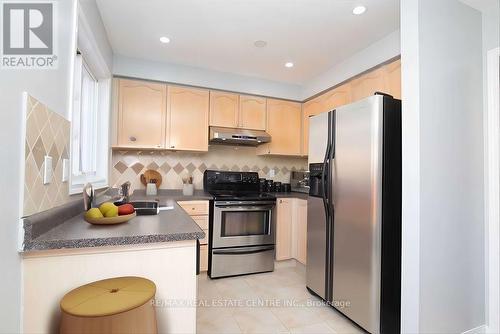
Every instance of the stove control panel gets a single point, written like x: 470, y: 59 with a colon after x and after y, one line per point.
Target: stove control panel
x: 226, y: 180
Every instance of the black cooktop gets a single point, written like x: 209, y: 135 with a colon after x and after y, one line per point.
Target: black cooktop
x: 242, y: 196
x: 234, y: 186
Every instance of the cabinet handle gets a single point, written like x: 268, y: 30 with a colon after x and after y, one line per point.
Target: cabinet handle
x: 172, y: 146
x: 132, y: 138
x: 159, y: 146
x: 281, y: 201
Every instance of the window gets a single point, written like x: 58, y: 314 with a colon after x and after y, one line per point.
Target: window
x: 89, y: 133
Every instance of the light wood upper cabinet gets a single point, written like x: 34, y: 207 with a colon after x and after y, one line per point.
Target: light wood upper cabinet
x: 311, y: 108
x: 187, y: 118
x: 141, y: 114
x: 367, y: 84
x: 252, y: 112
x: 284, y: 215
x: 224, y: 109
x: 284, y: 122
x: 337, y: 97
x: 393, y: 79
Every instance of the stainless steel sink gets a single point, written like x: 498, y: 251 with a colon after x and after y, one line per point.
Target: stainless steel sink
x: 143, y: 208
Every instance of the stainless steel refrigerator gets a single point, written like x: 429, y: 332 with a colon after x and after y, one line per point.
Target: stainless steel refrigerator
x: 354, y: 211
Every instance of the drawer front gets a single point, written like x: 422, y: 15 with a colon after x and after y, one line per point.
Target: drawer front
x: 194, y: 208
x: 204, y: 241
x: 202, y: 221
x: 203, y: 258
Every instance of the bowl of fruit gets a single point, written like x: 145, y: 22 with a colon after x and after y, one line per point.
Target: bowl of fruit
x: 108, y: 213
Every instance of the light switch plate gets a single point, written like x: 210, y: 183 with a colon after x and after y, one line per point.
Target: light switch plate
x: 65, y: 171
x: 47, y: 169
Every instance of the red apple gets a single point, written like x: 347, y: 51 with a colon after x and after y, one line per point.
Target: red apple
x: 125, y: 209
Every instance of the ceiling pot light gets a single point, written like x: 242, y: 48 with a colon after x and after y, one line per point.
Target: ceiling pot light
x: 164, y: 40
x: 358, y: 10
x: 260, y: 44
x: 289, y: 64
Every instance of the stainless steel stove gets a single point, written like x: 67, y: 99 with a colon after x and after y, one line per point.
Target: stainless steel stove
x: 242, y: 224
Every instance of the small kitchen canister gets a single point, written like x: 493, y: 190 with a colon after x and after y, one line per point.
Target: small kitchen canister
x: 187, y: 186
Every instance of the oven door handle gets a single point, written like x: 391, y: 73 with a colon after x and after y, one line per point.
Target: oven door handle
x: 243, y: 250
x: 245, y: 208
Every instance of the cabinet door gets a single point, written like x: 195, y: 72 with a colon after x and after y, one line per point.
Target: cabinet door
x: 142, y: 108
x: 284, y: 229
x: 252, y: 112
x: 393, y: 79
x: 203, y: 257
x: 368, y: 84
x: 187, y: 118
x: 310, y: 108
x: 284, y: 122
x: 224, y: 109
x: 300, y: 221
x: 337, y: 97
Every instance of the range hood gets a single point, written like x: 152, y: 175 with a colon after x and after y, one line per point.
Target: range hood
x: 233, y: 136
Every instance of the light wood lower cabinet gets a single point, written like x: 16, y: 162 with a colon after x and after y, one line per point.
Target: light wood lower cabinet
x: 203, y: 257
x: 198, y: 210
x: 291, y: 229
x: 300, y: 230
x: 284, y: 216
x: 187, y: 118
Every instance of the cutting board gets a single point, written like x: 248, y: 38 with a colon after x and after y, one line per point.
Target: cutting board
x: 151, y: 175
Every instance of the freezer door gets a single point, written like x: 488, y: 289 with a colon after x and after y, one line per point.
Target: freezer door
x: 316, y: 246
x: 318, y: 138
x: 357, y: 194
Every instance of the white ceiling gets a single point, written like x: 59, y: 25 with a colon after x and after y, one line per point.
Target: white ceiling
x: 219, y: 34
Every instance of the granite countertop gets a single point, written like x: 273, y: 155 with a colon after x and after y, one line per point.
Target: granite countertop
x: 292, y: 194
x: 72, y: 231
x: 168, y: 225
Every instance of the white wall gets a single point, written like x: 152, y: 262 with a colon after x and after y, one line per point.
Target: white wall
x: 90, y: 18
x: 442, y: 167
x: 53, y: 88
x: 375, y: 54
x: 491, y: 40
x: 194, y: 76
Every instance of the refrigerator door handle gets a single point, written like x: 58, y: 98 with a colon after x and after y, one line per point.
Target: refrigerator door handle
x: 324, y: 183
x: 332, y: 167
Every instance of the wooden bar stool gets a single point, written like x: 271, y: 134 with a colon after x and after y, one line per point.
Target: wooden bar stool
x: 115, y: 305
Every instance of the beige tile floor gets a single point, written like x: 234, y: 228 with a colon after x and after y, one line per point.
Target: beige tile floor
x: 276, y: 302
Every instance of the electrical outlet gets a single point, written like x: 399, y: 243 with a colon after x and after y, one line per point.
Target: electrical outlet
x: 271, y: 173
x: 65, y: 170
x: 47, y: 169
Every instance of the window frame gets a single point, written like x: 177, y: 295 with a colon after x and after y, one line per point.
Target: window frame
x: 100, y: 177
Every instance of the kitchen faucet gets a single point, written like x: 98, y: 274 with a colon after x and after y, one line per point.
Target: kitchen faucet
x: 125, y: 191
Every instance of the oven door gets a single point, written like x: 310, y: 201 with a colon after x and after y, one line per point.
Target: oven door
x: 241, y: 223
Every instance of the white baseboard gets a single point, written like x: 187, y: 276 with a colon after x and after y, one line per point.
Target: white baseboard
x: 476, y: 330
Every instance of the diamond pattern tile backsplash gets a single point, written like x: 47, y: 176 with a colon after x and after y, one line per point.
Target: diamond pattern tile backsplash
x: 129, y: 165
x: 47, y: 133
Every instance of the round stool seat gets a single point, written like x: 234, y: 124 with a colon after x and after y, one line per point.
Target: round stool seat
x: 114, y: 305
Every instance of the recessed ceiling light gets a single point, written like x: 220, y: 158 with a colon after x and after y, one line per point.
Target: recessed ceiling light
x: 358, y: 10
x: 289, y: 64
x: 164, y: 39
x: 260, y: 44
